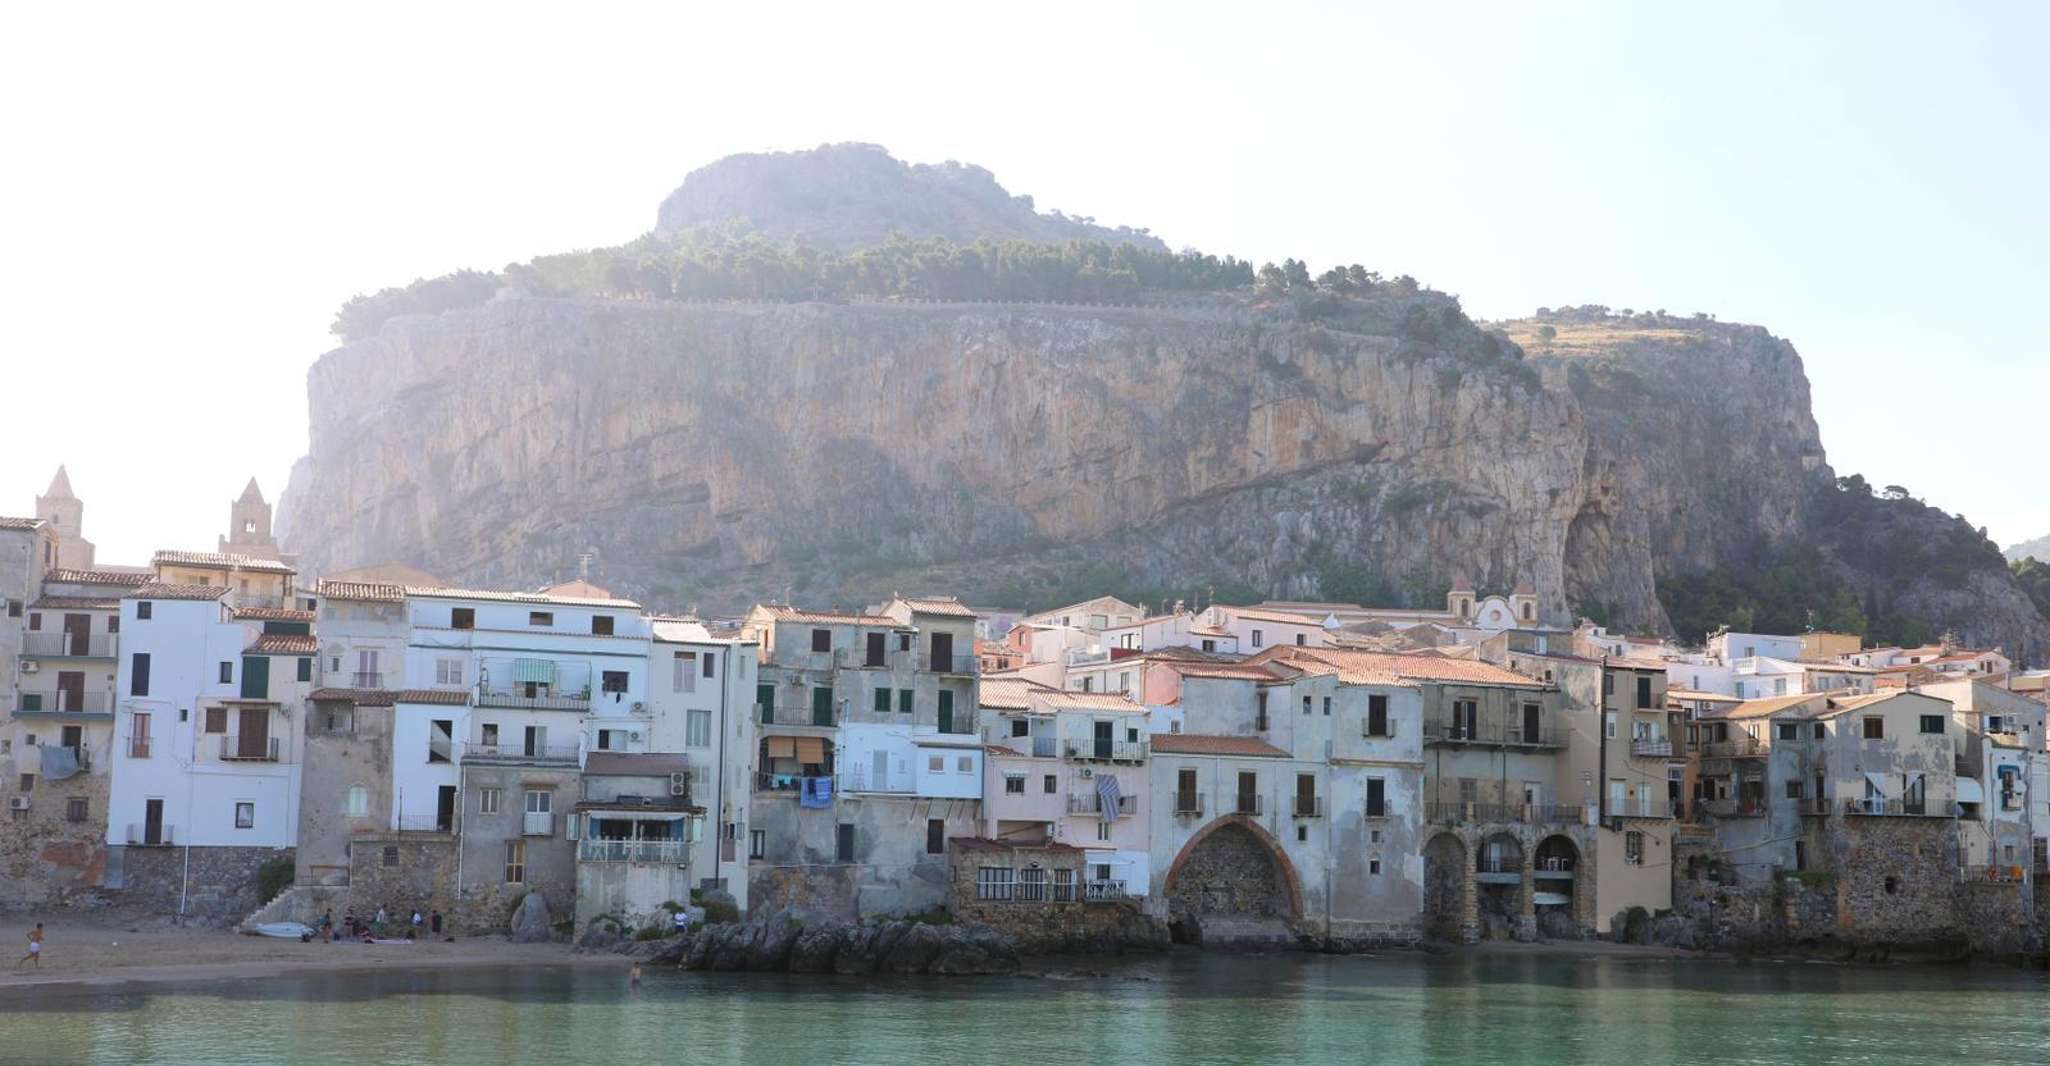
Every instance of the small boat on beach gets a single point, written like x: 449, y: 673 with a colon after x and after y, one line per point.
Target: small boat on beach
x: 285, y: 930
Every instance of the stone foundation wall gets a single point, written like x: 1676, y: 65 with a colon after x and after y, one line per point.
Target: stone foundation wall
x: 1049, y: 927
x: 213, y: 883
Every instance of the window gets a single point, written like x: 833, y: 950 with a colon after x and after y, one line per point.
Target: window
x: 540, y: 801
x: 1374, y: 866
x: 994, y: 882
x: 612, y: 681
x: 1633, y: 848
x: 1820, y: 731
x: 359, y: 801
x: 541, y: 618
x: 1103, y: 830
x: 75, y: 809
x: 1932, y: 723
x: 1258, y: 638
x: 903, y: 701
x: 1020, y: 727
x: 1327, y: 706
x: 1377, y: 797
x: 462, y: 618
x: 113, y: 623
x: 822, y: 640
x: 935, y: 764
x: 138, y: 675
x: 843, y: 843
x: 1302, y: 833
x: 1308, y: 705
x: 1260, y: 711
x: 1014, y: 784
x: 1209, y: 645
x: 1794, y: 789
x: 935, y: 836
x: 697, y: 729
x: 142, y: 609
x: 439, y: 743
x: 305, y: 669
x: 216, y: 720
x: 245, y: 815
x: 515, y: 862
x: 1377, y: 715
x: 1643, y: 690
x: 227, y: 673
x: 391, y: 855
x: 1875, y: 729
x: 1050, y: 784
x: 488, y: 800
x: 1788, y: 731
x: 28, y: 782
x: 35, y: 621
x: 1609, y: 725
x: 448, y: 671
x: 1779, y: 686
x: 1608, y: 683
x: 965, y: 764
x: 708, y: 659
x: 683, y: 672
x: 601, y: 625
x: 757, y: 843
x: 882, y: 701
x: 1300, y: 640
x: 14, y: 608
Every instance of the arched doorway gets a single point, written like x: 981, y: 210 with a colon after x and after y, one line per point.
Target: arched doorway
x: 1555, y: 881
x: 1498, y: 879
x: 1231, y: 882
x: 1445, y: 887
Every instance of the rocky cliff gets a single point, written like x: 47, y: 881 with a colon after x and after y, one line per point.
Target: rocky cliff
x: 1374, y: 446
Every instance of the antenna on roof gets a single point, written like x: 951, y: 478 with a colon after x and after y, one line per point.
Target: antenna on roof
x: 584, y: 565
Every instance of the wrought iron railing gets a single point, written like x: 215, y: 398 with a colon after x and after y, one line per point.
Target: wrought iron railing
x: 1189, y: 803
x: 1306, y: 806
x: 139, y: 836
x: 68, y: 645
x: 48, y: 701
x: 655, y: 851
x: 252, y: 749
x: 1091, y: 804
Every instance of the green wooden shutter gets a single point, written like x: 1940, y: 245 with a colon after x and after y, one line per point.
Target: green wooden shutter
x: 882, y: 701
x: 765, y: 698
x: 306, y: 669
x: 256, y: 677
x: 903, y: 701
x: 946, y: 711
x: 821, y: 705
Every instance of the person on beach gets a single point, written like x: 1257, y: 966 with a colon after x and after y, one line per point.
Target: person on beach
x: 416, y: 920
x: 35, y: 947
x: 633, y: 976
x: 382, y: 917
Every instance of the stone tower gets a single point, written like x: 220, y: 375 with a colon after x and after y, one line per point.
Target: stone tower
x: 66, y: 514
x: 249, y: 526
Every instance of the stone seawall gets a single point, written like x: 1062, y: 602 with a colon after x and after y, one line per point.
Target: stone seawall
x: 212, y: 884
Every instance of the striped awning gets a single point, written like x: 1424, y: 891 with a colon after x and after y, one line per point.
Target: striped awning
x: 540, y: 670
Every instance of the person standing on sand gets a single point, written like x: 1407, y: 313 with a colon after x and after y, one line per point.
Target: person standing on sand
x: 35, y: 947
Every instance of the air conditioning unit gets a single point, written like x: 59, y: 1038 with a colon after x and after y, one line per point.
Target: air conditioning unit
x: 633, y: 735
x: 639, y: 706
x: 679, y: 783
x: 1088, y: 773
x: 18, y: 803
x: 1616, y: 825
x: 30, y: 666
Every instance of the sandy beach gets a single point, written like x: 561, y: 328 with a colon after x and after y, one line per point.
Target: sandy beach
x: 106, y: 951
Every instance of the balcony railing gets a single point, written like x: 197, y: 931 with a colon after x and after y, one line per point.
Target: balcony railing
x: 519, y: 752
x: 1248, y: 803
x: 376, y: 679
x: 68, y: 645
x: 1498, y: 864
x: 1306, y: 806
x: 1733, y: 808
x: 139, y: 836
x: 783, y: 784
x: 1109, y: 750
x: 652, y: 851
x: 138, y: 747
x: 1651, y: 749
x: 259, y: 599
x: 54, y: 701
x: 1089, y: 804
x: 1386, y: 731
x: 520, y: 701
x: 1516, y: 813
x: 1106, y: 891
x: 1044, y: 747
x: 952, y: 664
x: 1493, y: 734
x: 1189, y: 803
x: 865, y: 779
x: 1993, y: 875
x: 537, y: 823
x: 1735, y: 748
x: 1887, y: 807
x: 1641, y: 808
x: 251, y: 749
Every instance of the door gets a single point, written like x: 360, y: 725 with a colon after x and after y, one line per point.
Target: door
x: 946, y: 711
x: 1103, y: 739
x: 256, y: 677
x: 880, y: 778
x: 821, y: 705
x: 536, y: 742
x: 1533, y: 794
x: 1249, y: 793
x: 1305, y: 795
x: 71, y: 690
x: 254, y: 733
x: 153, y: 822
x: 943, y: 652
x: 1530, y: 723
x: 78, y: 631
x: 875, y: 650
x: 445, y: 808
x: 765, y: 703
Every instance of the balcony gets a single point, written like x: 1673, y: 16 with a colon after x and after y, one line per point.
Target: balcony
x: 67, y: 645
x: 1246, y: 803
x: 1990, y: 875
x: 537, y: 824
x: 248, y: 749
x: 783, y: 784
x: 1651, y: 749
x: 964, y: 665
x: 1733, y: 808
x: 63, y: 701
x: 2011, y: 801
x: 1306, y: 806
x: 1513, y: 813
x: 648, y: 851
x: 1387, y: 730
x: 1106, y: 891
x: 1090, y: 805
x: 1641, y: 808
x: 371, y: 679
x: 1493, y: 734
x: 1044, y: 747
x: 139, y: 836
x: 521, y: 701
x: 865, y: 779
x: 1887, y: 808
x: 138, y: 747
x: 260, y: 599
x: 1734, y: 748
x: 1109, y: 750
x: 1189, y: 804
x: 520, y: 753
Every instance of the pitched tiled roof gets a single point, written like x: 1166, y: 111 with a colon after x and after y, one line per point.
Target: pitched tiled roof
x: 156, y: 590
x: 127, y: 578
x: 1433, y: 668
x: 679, y: 630
x: 1634, y: 664
x: 7, y: 522
x: 221, y: 560
x: 434, y: 695
x: 1761, y: 707
x: 518, y: 597
x: 999, y: 749
x: 74, y: 603
x: 947, y: 605
x: 1258, y: 615
x: 1008, y: 693
x: 1057, y: 700
x: 361, y: 697
x: 1210, y: 744
x: 284, y: 644
x: 628, y: 764
x: 786, y: 613
x: 359, y: 591
x: 1234, y: 671
x: 273, y: 614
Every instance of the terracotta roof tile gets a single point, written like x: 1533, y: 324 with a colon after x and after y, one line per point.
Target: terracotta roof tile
x: 786, y: 613
x: 361, y: 591
x: 434, y: 695
x: 999, y: 749
x: 1058, y: 700
x: 156, y: 590
x: 518, y: 597
x: 221, y: 560
x: 1430, y: 668
x: 1234, y: 671
x: 127, y: 578
x: 1008, y: 693
x: 8, y: 522
x: 74, y: 603
x: 1211, y: 744
x: 361, y: 697
x: 284, y: 644
x: 273, y: 614
x: 946, y: 605
x: 1286, y: 617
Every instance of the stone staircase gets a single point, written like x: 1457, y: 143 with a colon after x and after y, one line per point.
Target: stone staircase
x: 1233, y: 933
x: 299, y: 903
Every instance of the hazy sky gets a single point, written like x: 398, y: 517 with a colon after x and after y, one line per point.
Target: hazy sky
x: 191, y: 190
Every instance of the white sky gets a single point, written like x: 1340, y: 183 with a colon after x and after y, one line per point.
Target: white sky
x: 187, y: 195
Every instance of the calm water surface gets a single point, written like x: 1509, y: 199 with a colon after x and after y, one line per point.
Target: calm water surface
x: 1472, y: 1010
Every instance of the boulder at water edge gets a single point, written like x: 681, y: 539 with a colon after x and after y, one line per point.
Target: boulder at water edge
x: 530, y: 920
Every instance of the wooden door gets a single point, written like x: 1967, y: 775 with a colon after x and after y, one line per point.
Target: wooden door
x: 1103, y: 739
x: 71, y: 690
x: 153, y: 821
x: 1530, y: 723
x: 253, y: 729
x: 943, y: 652
x: 78, y: 631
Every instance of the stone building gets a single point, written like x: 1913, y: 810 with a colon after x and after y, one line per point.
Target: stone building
x: 701, y: 698
x: 64, y: 513
x: 636, y: 824
x: 1072, y: 768
x: 1036, y: 893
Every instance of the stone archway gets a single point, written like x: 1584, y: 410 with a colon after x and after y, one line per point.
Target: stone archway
x: 1556, y: 874
x: 1231, y: 875
x: 1502, y: 901
x: 1448, y: 889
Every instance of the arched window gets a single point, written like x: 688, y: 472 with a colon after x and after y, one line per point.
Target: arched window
x: 359, y: 801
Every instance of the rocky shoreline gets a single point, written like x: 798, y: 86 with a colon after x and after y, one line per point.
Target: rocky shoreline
x: 792, y: 945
